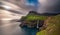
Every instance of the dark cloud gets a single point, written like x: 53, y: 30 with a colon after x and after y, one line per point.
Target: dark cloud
x: 50, y: 6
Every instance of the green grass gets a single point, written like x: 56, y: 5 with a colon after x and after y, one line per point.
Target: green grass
x: 53, y: 27
x: 32, y: 16
x: 44, y: 32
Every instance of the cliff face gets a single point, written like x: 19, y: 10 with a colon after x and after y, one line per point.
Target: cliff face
x: 52, y: 26
x: 33, y: 20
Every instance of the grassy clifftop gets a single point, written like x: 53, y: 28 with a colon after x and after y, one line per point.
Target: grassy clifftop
x: 52, y: 23
x: 53, y: 26
x: 34, y: 16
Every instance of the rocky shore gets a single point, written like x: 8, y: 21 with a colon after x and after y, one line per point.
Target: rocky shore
x: 32, y: 24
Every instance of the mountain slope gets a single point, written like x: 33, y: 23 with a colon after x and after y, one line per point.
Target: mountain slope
x: 53, y: 26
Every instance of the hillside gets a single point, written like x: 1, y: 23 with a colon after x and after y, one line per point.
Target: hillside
x: 52, y: 26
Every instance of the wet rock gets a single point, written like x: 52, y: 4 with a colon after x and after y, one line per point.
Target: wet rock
x: 32, y: 24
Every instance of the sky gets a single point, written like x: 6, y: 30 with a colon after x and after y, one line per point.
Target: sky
x: 45, y: 6
x: 32, y: 2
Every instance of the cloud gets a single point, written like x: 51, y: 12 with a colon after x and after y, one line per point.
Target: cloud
x: 49, y: 6
x: 44, y: 6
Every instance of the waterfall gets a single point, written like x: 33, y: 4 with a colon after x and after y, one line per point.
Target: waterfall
x: 38, y: 24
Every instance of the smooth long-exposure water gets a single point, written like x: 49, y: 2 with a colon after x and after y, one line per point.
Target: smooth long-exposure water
x: 13, y: 28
